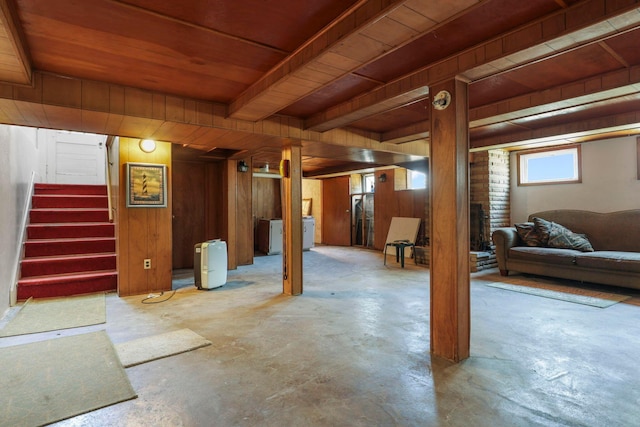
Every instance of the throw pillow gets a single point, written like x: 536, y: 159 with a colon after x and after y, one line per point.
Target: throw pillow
x: 543, y: 227
x: 561, y: 237
x: 528, y: 233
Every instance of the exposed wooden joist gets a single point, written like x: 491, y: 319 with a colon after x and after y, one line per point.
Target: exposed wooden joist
x: 522, y: 45
x: 567, y: 131
x: 615, y: 83
x: 88, y: 106
x: 15, y: 62
x: 363, y: 33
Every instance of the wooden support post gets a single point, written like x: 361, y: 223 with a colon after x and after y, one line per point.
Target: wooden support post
x: 292, y: 219
x: 449, y: 216
x: 230, y: 179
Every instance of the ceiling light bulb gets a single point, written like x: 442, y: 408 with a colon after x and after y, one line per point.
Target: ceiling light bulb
x: 148, y: 145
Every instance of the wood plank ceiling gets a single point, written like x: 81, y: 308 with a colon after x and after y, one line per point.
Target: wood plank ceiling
x: 349, y: 78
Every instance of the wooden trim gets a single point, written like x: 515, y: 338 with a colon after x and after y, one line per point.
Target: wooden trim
x: 638, y: 154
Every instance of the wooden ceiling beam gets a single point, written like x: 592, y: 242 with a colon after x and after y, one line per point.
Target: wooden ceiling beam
x: 613, y: 84
x: 15, y: 62
x: 524, y: 44
x: 571, y: 130
x: 87, y: 106
x: 363, y: 33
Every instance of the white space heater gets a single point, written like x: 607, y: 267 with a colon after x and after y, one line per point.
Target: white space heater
x: 210, y: 264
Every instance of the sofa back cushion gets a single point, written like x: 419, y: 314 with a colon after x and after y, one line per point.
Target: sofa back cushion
x: 614, y: 231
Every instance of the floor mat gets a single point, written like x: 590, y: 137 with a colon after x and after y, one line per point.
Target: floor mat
x: 578, y: 296
x: 48, y: 381
x: 57, y: 313
x: 155, y: 347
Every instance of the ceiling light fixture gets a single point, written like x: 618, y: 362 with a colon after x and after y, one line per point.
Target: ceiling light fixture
x: 147, y: 145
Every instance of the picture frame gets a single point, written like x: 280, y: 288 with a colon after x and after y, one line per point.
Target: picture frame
x: 146, y: 185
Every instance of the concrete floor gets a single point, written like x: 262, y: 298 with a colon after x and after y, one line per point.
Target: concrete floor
x: 353, y: 350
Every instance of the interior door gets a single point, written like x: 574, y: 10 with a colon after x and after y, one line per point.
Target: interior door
x: 336, y: 211
x: 75, y: 158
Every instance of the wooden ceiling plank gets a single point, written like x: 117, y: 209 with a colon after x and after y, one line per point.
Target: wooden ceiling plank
x: 345, y: 38
x: 613, y: 53
x: 530, y: 35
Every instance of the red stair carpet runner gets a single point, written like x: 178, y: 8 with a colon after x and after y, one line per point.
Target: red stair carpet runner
x: 70, y: 247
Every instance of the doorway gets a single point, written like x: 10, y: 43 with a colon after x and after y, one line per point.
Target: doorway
x: 362, y: 220
x: 74, y: 157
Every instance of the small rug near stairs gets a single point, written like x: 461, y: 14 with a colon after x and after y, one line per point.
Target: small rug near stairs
x: 155, y: 347
x: 565, y: 293
x: 48, y: 381
x: 53, y: 314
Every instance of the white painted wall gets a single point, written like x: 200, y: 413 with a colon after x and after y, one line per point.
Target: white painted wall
x: 609, y: 183
x: 19, y: 153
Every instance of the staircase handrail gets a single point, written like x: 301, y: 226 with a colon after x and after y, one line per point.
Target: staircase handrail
x: 108, y: 144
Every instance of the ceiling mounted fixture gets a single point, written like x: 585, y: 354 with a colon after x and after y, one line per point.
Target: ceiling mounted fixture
x: 147, y: 145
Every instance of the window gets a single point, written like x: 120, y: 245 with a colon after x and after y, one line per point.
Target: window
x: 416, y: 180
x: 550, y: 166
x: 369, y: 183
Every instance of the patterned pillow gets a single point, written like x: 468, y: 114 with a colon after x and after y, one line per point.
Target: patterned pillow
x: 529, y: 234
x: 558, y: 236
x: 543, y: 227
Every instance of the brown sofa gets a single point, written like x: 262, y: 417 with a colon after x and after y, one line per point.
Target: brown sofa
x: 615, y: 238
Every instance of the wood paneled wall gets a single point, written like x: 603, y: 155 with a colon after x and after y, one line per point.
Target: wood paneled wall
x: 143, y: 232
x: 189, y: 197
x: 389, y: 203
x: 267, y: 201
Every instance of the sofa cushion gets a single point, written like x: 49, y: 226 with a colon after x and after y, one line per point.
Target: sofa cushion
x: 555, y: 235
x: 610, y: 260
x: 529, y: 234
x: 544, y: 255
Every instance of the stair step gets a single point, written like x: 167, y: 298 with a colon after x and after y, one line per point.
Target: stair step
x: 53, y: 247
x: 73, y: 230
x: 67, y: 284
x: 42, y: 266
x: 40, y: 201
x: 40, y: 188
x: 57, y: 215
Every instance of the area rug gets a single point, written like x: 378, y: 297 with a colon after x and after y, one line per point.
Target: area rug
x: 57, y: 313
x: 155, y: 347
x: 47, y: 381
x: 602, y: 300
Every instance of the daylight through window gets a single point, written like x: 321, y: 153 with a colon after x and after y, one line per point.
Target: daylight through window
x: 549, y: 166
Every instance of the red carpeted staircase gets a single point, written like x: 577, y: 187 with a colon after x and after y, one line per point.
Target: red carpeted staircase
x: 70, y: 247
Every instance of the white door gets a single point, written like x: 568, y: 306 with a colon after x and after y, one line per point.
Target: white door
x: 75, y: 158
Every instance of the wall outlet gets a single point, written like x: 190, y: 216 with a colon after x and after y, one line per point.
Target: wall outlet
x: 147, y: 263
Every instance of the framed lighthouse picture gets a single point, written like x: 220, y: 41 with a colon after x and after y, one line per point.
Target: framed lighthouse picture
x: 146, y: 185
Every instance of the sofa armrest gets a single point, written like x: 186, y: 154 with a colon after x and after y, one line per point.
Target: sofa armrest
x: 504, y: 239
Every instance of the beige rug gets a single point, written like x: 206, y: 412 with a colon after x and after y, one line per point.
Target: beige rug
x: 52, y: 314
x: 155, y: 347
x: 565, y: 293
x: 48, y: 381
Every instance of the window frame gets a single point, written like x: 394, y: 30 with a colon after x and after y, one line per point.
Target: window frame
x: 409, y: 180
x: 578, y: 164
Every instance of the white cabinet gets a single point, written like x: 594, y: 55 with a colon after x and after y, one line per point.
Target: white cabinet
x: 308, y: 232
x: 270, y: 235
